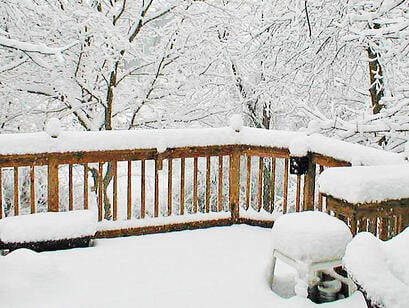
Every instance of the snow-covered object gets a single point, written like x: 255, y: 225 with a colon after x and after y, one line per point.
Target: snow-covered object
x: 299, y: 147
x: 380, y: 268
x: 310, y: 236
x: 352, y: 152
x: 48, y: 226
x: 35, y: 143
x: 236, y: 122
x: 366, y: 183
x: 214, y: 267
x: 53, y: 127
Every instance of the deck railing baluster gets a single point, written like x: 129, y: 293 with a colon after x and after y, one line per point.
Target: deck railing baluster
x: 182, y: 186
x: 33, y: 200
x: 286, y: 179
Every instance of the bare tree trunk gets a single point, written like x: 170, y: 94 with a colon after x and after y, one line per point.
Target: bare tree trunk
x: 375, y: 78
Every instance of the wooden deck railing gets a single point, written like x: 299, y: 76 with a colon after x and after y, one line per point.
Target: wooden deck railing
x: 139, y: 191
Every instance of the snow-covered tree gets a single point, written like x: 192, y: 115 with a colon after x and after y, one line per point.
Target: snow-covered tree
x: 379, y: 29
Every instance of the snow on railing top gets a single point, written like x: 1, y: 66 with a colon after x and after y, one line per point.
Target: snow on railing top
x: 161, y: 139
x: 365, y: 184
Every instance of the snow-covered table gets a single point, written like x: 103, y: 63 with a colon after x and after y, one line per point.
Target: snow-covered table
x: 312, y: 243
x: 364, y: 194
x: 48, y: 231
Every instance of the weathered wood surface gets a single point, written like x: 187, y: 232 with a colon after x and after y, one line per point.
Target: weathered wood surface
x: 384, y: 219
x: 208, y: 166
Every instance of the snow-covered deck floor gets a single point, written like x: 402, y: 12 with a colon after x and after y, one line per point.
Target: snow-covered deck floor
x: 218, y: 267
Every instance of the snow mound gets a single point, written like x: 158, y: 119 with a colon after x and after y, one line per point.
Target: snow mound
x: 48, y: 226
x: 53, y: 127
x: 236, y: 122
x: 299, y: 146
x: 365, y: 184
x: 380, y: 268
x: 310, y: 236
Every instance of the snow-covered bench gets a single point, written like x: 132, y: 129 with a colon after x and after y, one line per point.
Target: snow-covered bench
x: 368, y: 192
x: 380, y: 268
x: 313, y: 243
x: 48, y: 231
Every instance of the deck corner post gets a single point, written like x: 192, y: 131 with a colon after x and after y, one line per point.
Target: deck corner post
x: 53, y: 186
x: 234, y: 185
x: 309, y: 185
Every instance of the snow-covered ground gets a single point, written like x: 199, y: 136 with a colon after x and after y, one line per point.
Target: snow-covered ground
x: 217, y: 267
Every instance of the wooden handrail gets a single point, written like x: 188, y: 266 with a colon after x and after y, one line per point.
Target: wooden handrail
x: 139, y: 185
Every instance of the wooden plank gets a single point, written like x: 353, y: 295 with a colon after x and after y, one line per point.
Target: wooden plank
x: 100, y: 190
x: 384, y: 234
x: 234, y: 183
x: 129, y: 191
x: 53, y: 187
x: 85, y: 192
x: 398, y: 224
x: 320, y: 196
x: 114, y: 165
x: 285, y: 190
x: 264, y: 151
x: 182, y: 186
x: 170, y: 183
x: 143, y: 187
x: 272, y: 184
x: 16, y: 193
x: 79, y: 157
x: 248, y: 181
x: 298, y: 194
x: 309, y: 187
x: 354, y: 225
x: 70, y: 189
x: 1, y: 193
x: 33, y: 200
x: 208, y: 187
x: 319, y: 159
x: 156, y: 190
x: 82, y: 157
x: 192, y: 152
x: 164, y: 228
x: 260, y: 184
x: 363, y: 224
x: 220, y: 186
x: 195, y: 184
x: 373, y: 226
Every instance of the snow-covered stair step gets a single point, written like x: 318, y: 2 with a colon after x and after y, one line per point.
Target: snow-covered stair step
x: 48, y: 231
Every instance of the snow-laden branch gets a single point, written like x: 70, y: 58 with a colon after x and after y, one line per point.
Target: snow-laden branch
x: 389, y: 128
x: 37, y: 48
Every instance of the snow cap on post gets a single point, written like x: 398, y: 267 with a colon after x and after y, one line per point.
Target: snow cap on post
x: 299, y: 147
x: 53, y: 127
x: 236, y: 122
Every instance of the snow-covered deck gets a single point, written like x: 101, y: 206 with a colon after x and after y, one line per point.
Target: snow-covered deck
x: 218, y: 267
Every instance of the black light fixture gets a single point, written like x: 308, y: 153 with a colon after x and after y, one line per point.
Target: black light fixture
x: 299, y: 165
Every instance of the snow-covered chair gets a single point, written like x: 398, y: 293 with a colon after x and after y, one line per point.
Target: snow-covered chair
x: 48, y: 231
x: 380, y: 268
x: 312, y: 243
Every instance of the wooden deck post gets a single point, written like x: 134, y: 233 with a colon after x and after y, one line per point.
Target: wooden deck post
x: 234, y: 185
x: 309, y: 185
x: 53, y: 187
